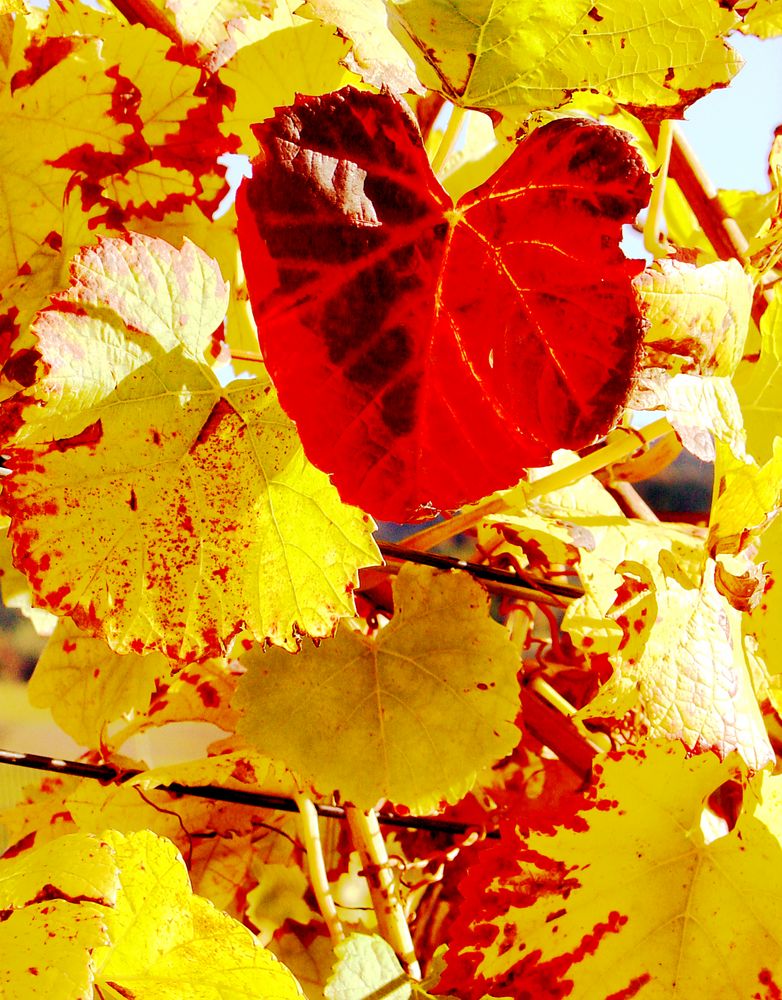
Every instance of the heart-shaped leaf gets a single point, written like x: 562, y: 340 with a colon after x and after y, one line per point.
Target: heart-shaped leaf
x: 430, y: 353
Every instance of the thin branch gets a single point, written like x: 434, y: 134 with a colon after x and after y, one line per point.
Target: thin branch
x: 619, y: 445
x: 497, y: 581
x: 449, y: 138
x: 107, y: 775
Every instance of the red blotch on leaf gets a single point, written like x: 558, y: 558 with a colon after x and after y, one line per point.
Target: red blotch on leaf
x: 430, y: 353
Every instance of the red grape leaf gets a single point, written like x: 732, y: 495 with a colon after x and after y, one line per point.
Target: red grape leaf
x: 402, y: 333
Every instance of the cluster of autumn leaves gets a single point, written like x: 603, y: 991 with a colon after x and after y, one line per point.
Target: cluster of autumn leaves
x: 175, y: 540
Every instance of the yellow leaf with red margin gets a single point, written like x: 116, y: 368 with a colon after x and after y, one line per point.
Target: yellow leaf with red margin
x: 627, y: 897
x: 186, y: 512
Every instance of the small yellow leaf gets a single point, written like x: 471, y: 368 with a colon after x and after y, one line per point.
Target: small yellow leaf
x: 279, y: 896
x: 763, y: 18
x: 748, y: 498
x: 366, y: 966
x: 424, y: 705
x: 87, y: 686
x: 294, y: 56
x: 758, y: 384
x: 376, y: 55
x: 698, y: 315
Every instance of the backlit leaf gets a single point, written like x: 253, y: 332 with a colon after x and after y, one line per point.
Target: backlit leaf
x: 590, y: 913
x: 516, y: 59
x: 700, y: 408
x: 371, y: 295
x: 367, y: 965
x: 376, y: 55
x: 759, y: 384
x: 55, y: 902
x: 87, y: 686
x: 185, y: 511
x: 424, y: 705
x: 698, y: 315
x: 764, y: 18
x: 682, y: 656
x: 168, y: 944
x: 294, y: 56
x: 748, y: 498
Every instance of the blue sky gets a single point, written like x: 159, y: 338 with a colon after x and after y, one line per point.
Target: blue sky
x: 731, y: 129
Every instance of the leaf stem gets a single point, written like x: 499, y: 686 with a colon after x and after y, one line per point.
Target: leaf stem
x: 368, y: 841
x: 253, y: 357
x: 145, y: 12
x: 309, y: 831
x: 527, y: 587
x: 654, y: 227
x: 620, y: 443
x: 449, y: 138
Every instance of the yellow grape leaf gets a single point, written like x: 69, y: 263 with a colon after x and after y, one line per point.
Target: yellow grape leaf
x: 12, y: 7
x: 309, y: 956
x: 683, y: 658
x: 55, y: 903
x: 758, y: 384
x: 424, y: 705
x: 61, y: 103
x: 700, y: 408
x: 748, y: 498
x: 217, y: 28
x: 87, y: 686
x: 765, y: 620
x: 516, y: 59
x: 169, y: 160
x: 296, y: 56
x: 582, y: 529
x: 15, y: 588
x: 367, y: 966
x: 375, y: 55
x: 698, y: 316
x: 594, y: 912
x: 763, y: 18
x: 41, y: 814
x: 673, y: 640
x: 221, y: 870
x: 168, y: 944
x: 279, y: 896
x: 185, y: 511
x: 241, y: 769
x: 200, y: 692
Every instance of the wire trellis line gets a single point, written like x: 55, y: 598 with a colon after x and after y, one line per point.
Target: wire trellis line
x: 497, y: 581
x: 109, y: 775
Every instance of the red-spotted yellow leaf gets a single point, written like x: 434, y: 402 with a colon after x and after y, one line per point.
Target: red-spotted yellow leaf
x: 169, y: 944
x: 401, y: 332
x: 516, y: 59
x: 627, y: 897
x: 150, y: 504
x: 55, y: 902
x: 425, y: 704
x: 87, y: 686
